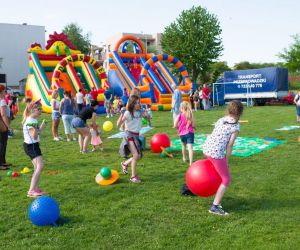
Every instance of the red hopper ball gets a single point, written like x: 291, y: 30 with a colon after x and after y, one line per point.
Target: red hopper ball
x: 202, y: 178
x: 159, y: 140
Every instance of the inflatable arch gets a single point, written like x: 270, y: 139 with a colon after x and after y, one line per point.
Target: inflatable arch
x: 133, y: 39
x: 178, y: 64
x: 73, y: 58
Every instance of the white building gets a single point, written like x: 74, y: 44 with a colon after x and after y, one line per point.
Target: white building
x: 14, y: 43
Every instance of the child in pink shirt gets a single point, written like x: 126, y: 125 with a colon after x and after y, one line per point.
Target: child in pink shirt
x: 185, y: 124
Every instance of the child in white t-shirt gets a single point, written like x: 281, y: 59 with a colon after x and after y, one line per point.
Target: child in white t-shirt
x: 131, y: 142
x: 31, y: 132
x: 79, y: 100
x: 217, y: 144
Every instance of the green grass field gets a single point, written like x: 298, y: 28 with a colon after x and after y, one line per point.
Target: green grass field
x: 263, y: 199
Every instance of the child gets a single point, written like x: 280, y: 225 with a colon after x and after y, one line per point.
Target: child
x: 95, y: 137
x: 221, y: 140
x: 115, y: 105
x: 31, y: 131
x: 185, y: 124
x: 120, y: 105
x: 131, y: 142
x: 149, y: 114
x: 55, y: 115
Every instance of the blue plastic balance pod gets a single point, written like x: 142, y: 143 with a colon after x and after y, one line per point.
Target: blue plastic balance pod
x: 44, y: 211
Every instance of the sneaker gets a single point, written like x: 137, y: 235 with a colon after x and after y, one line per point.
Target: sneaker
x: 217, y: 209
x: 34, y: 193
x: 124, y: 167
x: 56, y: 139
x: 93, y: 150
x: 85, y: 151
x: 107, y: 116
x: 74, y: 139
x: 60, y: 138
x: 68, y: 140
x: 135, y: 179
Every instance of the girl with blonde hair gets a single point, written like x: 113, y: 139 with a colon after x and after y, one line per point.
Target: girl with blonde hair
x: 55, y: 115
x: 185, y: 125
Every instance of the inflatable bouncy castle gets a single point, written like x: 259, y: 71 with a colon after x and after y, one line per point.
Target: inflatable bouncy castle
x: 147, y: 72
x: 60, y: 66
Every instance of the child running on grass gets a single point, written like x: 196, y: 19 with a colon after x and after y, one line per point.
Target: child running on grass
x: 221, y: 140
x: 95, y: 137
x: 132, y: 118
x: 31, y: 132
x: 185, y: 124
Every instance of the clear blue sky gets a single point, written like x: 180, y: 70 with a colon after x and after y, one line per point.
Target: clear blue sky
x: 254, y: 31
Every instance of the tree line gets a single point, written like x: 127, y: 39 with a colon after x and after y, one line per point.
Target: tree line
x: 195, y: 38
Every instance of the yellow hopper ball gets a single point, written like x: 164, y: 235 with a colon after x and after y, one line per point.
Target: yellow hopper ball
x: 107, y: 126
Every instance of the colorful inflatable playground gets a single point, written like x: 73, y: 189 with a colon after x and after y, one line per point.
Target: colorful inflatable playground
x: 147, y: 72
x: 60, y: 66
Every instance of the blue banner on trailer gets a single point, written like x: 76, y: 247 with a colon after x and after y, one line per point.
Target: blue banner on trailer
x: 257, y: 80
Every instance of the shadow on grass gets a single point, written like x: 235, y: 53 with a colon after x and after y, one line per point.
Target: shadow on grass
x: 237, y: 204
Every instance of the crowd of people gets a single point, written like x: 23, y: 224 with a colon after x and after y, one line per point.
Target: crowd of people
x: 200, y: 98
x: 130, y: 120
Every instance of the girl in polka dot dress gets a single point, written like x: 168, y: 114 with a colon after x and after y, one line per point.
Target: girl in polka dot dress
x: 218, y: 148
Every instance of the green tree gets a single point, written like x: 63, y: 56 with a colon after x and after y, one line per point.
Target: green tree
x: 152, y: 49
x: 217, y: 69
x: 194, y: 38
x: 248, y: 65
x: 291, y: 55
x: 76, y: 36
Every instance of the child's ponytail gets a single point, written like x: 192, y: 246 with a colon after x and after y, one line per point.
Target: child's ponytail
x: 26, y: 113
x: 186, y: 107
x: 30, y: 107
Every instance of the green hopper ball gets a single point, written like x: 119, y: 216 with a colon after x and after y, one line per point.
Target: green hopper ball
x: 105, y: 172
x: 9, y: 173
x: 166, y: 152
x: 144, y: 121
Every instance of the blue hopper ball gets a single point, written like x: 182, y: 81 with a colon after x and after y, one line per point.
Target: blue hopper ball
x: 43, y: 211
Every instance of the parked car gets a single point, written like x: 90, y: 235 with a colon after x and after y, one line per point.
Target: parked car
x: 289, y: 98
x: 13, y: 91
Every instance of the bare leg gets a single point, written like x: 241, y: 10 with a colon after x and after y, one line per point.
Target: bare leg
x: 53, y: 129
x: 38, y: 167
x: 55, y: 124
x: 219, y: 194
x: 86, y: 141
x: 183, y: 148
x: 80, y: 141
x: 128, y: 161
x: 190, y: 148
x: 135, y: 158
x: 56, y: 128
